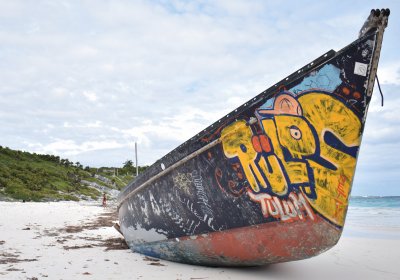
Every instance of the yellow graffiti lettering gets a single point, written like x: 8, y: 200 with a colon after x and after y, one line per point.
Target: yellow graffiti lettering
x: 297, y: 138
x: 236, y: 143
x: 328, y: 114
x: 276, y: 177
x: 296, y: 171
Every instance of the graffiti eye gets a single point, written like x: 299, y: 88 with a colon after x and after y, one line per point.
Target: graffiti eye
x: 295, y: 132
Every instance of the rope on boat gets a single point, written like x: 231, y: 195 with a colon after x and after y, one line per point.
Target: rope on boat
x: 380, y: 90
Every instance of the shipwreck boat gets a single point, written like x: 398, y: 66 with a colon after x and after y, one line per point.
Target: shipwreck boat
x: 270, y: 181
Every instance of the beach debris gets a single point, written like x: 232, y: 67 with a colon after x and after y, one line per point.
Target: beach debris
x: 105, y: 220
x: 6, y: 258
x: 77, y: 247
x: 14, y: 269
x: 153, y: 261
x: 156, y: 264
x: 50, y: 233
x: 61, y: 241
x: 149, y: 259
x: 115, y: 244
x: 65, y: 234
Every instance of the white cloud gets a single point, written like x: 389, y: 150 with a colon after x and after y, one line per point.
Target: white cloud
x: 70, y: 147
x: 389, y: 73
x: 85, y: 51
x: 90, y: 95
x: 60, y: 92
x: 94, y: 124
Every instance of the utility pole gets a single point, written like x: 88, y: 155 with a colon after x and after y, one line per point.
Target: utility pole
x: 137, y: 167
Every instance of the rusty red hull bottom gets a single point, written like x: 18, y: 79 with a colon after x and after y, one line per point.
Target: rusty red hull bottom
x: 248, y: 246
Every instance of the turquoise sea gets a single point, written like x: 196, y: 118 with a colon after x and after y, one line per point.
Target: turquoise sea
x: 373, y: 216
x: 375, y: 201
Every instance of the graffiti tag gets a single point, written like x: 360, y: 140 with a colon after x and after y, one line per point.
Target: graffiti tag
x: 283, y: 209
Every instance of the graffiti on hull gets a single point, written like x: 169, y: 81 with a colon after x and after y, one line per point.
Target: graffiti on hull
x: 287, y: 156
x: 304, y: 143
x: 283, y: 209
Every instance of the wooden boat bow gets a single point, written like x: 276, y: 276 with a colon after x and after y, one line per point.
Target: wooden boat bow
x: 270, y: 181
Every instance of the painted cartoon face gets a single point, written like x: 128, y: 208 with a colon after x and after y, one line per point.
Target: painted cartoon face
x: 310, y: 144
x: 295, y: 134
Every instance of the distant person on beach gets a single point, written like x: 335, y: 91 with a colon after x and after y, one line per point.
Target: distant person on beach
x: 104, y: 200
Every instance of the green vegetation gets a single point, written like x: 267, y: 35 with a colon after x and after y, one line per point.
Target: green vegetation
x: 130, y: 168
x: 30, y: 176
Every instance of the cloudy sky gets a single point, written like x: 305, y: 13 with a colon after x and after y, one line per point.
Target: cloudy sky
x: 86, y: 79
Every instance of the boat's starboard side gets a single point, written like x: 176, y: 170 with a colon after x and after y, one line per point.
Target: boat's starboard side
x: 274, y: 175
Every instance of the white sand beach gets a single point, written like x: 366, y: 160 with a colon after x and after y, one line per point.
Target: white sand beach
x: 70, y: 240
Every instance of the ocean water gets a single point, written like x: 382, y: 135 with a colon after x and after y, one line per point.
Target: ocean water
x: 375, y: 201
x: 373, y: 217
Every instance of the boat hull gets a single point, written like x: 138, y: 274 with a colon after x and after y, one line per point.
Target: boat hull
x: 269, y: 182
x: 247, y: 246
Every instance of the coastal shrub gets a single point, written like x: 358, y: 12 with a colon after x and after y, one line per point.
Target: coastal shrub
x: 37, y: 177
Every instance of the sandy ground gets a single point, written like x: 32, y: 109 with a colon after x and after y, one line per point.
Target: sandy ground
x: 69, y: 240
